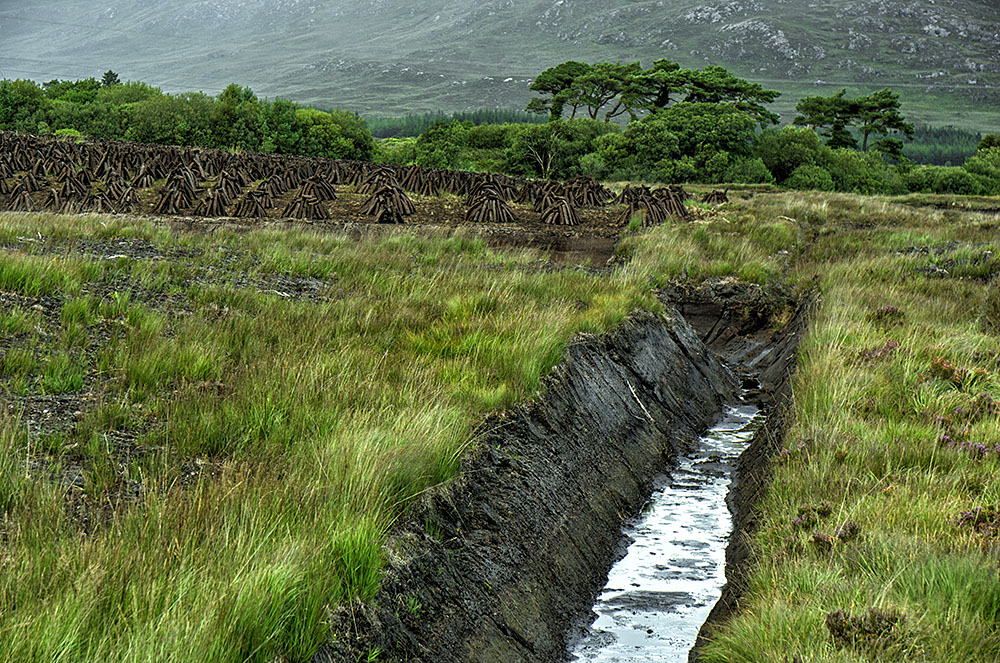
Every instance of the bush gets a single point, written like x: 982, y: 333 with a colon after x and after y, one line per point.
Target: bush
x: 955, y: 180
x: 704, y: 129
x: 684, y: 143
x: 485, y: 160
x: 810, y: 177
x: 748, y: 171
x: 678, y: 171
x: 784, y: 150
x: 490, y: 136
x: 355, y: 130
x: 593, y: 165
x: 985, y: 167
x: 320, y: 135
x: 942, y: 179
x: 554, y: 149
x: 920, y: 179
x: 715, y: 167
x: 442, y: 145
x: 865, y: 173
x: 989, y: 141
x: 401, y: 151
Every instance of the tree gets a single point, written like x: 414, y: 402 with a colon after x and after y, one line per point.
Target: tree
x: 184, y: 119
x: 355, y: 130
x: 706, y: 128
x: 110, y: 79
x: 20, y: 101
x: 127, y: 93
x: 536, y: 148
x: 238, y: 120
x: 628, y: 88
x: 683, y: 142
x: 77, y: 92
x: 715, y: 85
x: 556, y: 81
x: 320, y: 135
x: 784, y: 150
x: 878, y: 114
x: 604, y: 83
x: 874, y: 115
x: 662, y: 81
x: 830, y: 117
x: 283, y: 130
x: 553, y: 149
x: 442, y: 145
x: 644, y: 147
x: 989, y: 141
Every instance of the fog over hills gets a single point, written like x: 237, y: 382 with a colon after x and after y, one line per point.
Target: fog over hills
x: 391, y: 56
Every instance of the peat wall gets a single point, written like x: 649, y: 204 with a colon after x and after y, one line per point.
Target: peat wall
x: 498, y: 564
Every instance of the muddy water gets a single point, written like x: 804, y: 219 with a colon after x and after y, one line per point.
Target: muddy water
x: 660, y: 593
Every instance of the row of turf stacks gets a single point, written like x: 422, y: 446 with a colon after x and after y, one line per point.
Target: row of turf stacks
x: 44, y: 173
x: 652, y: 206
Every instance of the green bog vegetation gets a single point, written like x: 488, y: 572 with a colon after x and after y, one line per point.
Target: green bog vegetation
x: 611, y: 121
x: 206, y: 436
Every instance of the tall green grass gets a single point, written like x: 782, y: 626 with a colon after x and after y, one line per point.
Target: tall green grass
x: 868, y: 440
x: 275, y: 438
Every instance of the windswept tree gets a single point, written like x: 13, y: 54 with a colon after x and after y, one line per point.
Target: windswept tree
x: 829, y: 117
x: 556, y: 82
x: 609, y: 83
x: 618, y: 89
x: 878, y: 115
x: 662, y: 82
x: 715, y: 85
x: 873, y: 115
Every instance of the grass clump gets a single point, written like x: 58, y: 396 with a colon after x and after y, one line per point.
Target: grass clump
x: 32, y: 276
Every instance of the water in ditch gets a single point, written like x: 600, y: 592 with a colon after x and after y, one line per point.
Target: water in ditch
x: 658, y: 595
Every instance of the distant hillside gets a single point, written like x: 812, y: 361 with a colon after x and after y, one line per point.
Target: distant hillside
x: 394, y: 56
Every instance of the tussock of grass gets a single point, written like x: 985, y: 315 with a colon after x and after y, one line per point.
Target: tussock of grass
x: 31, y: 275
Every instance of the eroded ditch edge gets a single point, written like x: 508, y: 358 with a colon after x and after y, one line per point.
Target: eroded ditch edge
x: 500, y: 563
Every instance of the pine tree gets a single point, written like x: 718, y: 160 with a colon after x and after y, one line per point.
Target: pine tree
x: 110, y: 79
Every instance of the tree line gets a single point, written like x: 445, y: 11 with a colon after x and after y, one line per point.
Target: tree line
x: 414, y: 124
x: 235, y: 119
x: 611, y: 121
x: 707, y: 125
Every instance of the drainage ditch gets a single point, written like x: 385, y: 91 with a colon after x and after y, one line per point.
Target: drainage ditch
x: 504, y: 562
x: 661, y: 592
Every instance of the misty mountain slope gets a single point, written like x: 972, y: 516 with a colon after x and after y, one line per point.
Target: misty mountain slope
x: 391, y: 56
